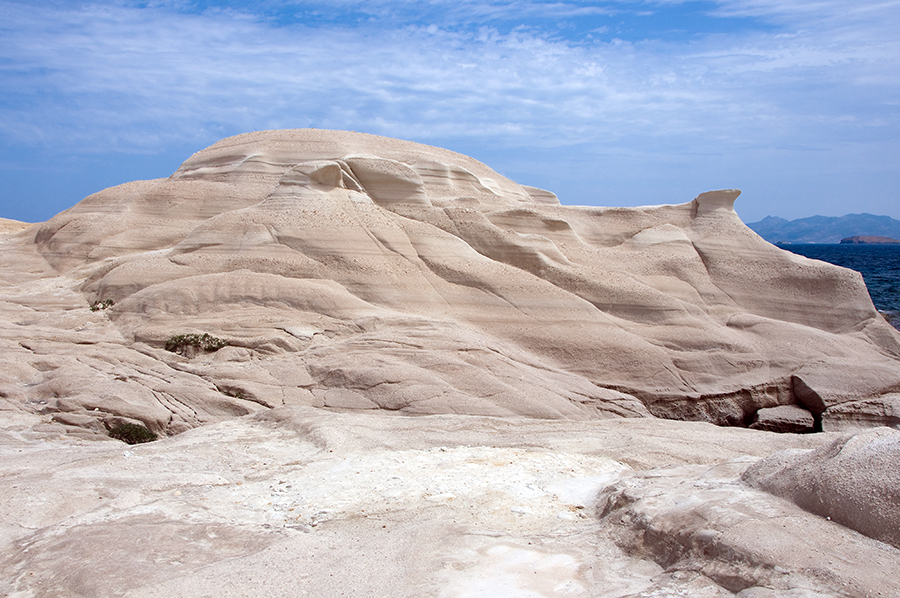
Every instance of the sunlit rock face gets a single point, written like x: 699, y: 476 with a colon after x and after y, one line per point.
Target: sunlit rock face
x: 355, y: 272
x: 850, y: 480
x: 320, y: 282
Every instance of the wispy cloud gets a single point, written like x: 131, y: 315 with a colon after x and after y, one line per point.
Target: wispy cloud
x: 136, y: 77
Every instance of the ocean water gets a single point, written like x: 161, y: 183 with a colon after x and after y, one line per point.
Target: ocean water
x: 878, y: 264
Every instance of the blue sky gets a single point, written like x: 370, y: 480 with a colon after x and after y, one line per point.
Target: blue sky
x: 618, y: 102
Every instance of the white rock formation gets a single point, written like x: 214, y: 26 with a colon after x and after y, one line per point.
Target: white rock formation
x: 784, y: 418
x: 852, y: 480
x: 351, y: 271
x: 305, y: 502
x: 357, y: 280
x: 8, y: 226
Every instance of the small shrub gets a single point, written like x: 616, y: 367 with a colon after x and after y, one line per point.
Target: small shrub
x: 203, y: 342
x: 132, y: 433
x: 100, y: 305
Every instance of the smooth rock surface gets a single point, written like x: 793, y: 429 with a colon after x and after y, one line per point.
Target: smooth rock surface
x: 435, y: 382
x: 8, y: 226
x: 853, y: 480
x: 699, y: 522
x: 349, y: 271
x: 304, y: 502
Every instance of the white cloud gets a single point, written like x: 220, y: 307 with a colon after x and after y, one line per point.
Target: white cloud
x: 152, y: 66
x: 112, y: 76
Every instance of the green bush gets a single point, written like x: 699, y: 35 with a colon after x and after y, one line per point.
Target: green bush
x: 105, y: 304
x: 203, y: 342
x: 132, y: 433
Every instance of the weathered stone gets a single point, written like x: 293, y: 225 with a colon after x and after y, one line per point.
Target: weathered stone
x: 700, y: 521
x: 821, y: 386
x: 352, y: 276
x: 431, y: 284
x: 303, y: 501
x: 858, y: 415
x: 852, y: 481
x: 784, y: 418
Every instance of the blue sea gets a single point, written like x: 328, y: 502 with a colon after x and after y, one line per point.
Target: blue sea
x: 879, y: 265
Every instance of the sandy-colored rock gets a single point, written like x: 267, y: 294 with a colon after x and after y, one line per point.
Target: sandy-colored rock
x: 399, y: 276
x: 355, y: 281
x: 700, y: 524
x: 821, y: 386
x: 852, y: 481
x: 305, y: 502
x: 11, y: 227
x: 858, y: 415
x: 784, y: 418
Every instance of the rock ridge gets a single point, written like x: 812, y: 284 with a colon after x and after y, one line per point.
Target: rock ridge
x: 347, y: 271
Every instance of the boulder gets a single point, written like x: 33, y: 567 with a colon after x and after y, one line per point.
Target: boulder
x: 858, y: 415
x: 784, y: 418
x: 852, y: 481
x: 700, y: 523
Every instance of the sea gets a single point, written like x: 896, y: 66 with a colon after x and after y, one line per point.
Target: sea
x: 878, y: 264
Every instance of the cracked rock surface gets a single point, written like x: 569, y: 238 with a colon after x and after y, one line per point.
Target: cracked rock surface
x: 306, y: 502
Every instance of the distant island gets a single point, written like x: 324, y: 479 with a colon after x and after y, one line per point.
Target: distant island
x: 864, y: 240
x: 825, y: 229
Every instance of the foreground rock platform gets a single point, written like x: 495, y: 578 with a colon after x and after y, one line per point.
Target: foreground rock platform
x: 305, y: 502
x: 348, y: 271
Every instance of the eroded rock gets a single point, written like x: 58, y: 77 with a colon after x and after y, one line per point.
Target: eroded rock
x: 698, y: 522
x: 858, y: 415
x: 303, y: 501
x: 852, y: 481
x: 398, y: 276
x: 784, y: 418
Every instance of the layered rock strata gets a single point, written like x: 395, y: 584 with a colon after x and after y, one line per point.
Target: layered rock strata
x: 347, y: 271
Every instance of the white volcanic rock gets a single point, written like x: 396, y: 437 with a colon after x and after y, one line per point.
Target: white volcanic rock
x: 846, y: 401
x: 352, y: 271
x: 303, y: 502
x: 8, y: 226
x: 357, y: 280
x: 857, y: 415
x: 784, y: 418
x: 852, y: 481
x: 700, y: 524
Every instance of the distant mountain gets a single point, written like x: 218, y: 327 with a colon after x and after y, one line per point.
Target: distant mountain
x: 825, y: 229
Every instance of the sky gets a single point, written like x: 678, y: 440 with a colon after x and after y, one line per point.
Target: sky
x: 607, y: 103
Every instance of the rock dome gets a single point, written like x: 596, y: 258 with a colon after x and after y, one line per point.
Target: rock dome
x: 353, y: 272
